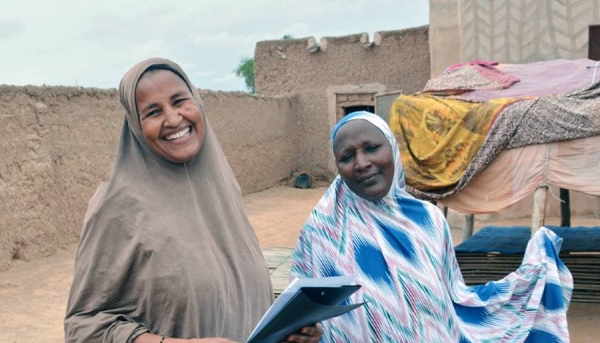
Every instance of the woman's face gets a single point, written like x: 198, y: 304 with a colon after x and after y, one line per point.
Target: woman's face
x: 364, y: 159
x: 171, y: 120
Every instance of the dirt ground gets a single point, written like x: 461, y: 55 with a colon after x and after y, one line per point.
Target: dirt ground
x: 33, y: 294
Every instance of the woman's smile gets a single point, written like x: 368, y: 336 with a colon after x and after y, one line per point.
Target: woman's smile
x: 179, y: 134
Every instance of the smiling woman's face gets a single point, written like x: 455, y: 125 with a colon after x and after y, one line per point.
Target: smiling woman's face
x: 364, y: 159
x: 171, y: 120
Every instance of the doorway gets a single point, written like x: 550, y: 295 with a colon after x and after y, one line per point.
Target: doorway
x: 351, y: 102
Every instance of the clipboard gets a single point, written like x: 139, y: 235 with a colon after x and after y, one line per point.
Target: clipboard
x: 304, y: 305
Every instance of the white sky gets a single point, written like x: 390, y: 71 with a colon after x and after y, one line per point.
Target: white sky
x: 93, y: 43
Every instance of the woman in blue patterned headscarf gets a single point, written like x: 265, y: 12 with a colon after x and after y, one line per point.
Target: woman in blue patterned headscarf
x: 401, y: 251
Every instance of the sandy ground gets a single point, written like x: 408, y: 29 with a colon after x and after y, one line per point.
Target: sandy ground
x: 33, y: 294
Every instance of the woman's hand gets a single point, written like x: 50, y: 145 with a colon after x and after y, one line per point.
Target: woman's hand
x: 308, y: 334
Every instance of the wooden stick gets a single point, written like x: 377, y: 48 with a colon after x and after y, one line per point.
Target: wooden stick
x: 468, y: 227
x: 539, y: 208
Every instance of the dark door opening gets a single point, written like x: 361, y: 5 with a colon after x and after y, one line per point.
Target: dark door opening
x: 350, y: 109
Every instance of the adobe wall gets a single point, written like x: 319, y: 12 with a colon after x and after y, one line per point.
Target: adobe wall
x: 320, y: 73
x: 509, y: 31
x: 57, y: 145
x: 444, y: 38
x: 256, y: 135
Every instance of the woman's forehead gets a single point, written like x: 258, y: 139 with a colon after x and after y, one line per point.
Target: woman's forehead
x: 355, y: 131
x: 358, y: 126
x: 158, y: 76
x: 159, y: 80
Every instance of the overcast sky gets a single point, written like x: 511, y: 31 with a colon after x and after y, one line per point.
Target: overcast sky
x: 92, y: 43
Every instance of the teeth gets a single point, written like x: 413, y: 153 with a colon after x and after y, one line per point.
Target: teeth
x: 178, y: 134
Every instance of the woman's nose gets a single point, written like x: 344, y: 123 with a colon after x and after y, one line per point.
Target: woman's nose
x: 172, y: 117
x: 362, y: 161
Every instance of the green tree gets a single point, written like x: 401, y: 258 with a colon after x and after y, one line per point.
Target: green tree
x: 245, y: 69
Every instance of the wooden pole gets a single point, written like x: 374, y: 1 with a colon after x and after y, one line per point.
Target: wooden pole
x: 539, y: 208
x: 468, y: 227
x: 565, y: 208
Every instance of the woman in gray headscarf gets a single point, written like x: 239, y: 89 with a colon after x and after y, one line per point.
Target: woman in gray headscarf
x: 166, y: 249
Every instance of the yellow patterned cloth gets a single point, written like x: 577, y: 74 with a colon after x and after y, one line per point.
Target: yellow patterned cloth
x: 438, y: 137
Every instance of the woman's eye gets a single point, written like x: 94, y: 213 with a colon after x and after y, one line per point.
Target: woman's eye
x: 373, y: 148
x: 179, y: 101
x: 346, y: 158
x: 152, y: 113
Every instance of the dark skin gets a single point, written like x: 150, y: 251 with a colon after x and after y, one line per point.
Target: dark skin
x: 308, y: 334
x: 364, y: 159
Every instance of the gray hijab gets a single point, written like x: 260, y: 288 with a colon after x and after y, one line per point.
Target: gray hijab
x: 166, y: 247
